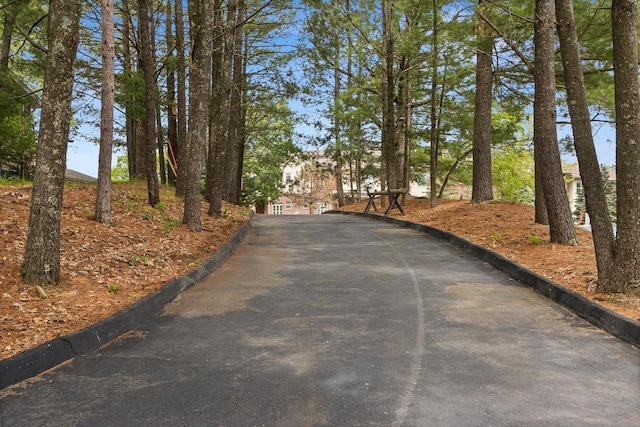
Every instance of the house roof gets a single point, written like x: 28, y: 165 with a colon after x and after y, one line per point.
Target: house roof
x: 74, y: 176
x: 573, y: 171
x: 19, y: 88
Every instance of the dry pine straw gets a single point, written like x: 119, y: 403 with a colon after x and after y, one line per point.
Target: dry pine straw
x: 104, y: 268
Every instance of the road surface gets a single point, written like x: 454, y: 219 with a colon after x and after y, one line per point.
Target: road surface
x: 337, y: 320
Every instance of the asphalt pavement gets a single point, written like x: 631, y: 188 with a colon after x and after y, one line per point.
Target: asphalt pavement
x: 337, y: 320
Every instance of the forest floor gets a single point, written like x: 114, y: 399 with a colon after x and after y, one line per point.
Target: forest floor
x: 106, y: 269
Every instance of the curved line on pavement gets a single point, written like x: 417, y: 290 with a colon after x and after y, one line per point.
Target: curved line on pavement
x: 416, y: 364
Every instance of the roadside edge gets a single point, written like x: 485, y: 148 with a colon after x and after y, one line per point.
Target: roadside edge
x: 50, y: 354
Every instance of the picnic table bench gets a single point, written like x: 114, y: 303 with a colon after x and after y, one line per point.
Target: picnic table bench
x: 395, y: 193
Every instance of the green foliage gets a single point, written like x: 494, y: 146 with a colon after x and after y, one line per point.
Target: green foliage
x: 513, y: 173
x: 134, y: 259
x: 581, y: 206
x: 266, y: 152
x: 610, y: 196
x: 536, y: 240
x: 120, y: 172
x: 130, y: 92
x: 113, y: 288
x: 18, y: 145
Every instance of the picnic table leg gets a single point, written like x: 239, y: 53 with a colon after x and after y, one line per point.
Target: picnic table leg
x: 394, y: 202
x: 372, y: 203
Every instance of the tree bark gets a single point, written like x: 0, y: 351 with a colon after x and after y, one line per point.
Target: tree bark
x: 219, y: 118
x: 103, y: 188
x: 337, y: 113
x: 561, y: 227
x: 131, y: 122
x: 389, y: 137
x: 227, y: 68
x: 172, y: 108
x: 201, y: 17
x: 42, y: 255
x: 158, y: 116
x: 625, y: 271
x: 148, y: 70
x: 217, y: 153
x: 433, y: 133
x: 235, y: 139
x: 7, y: 34
x: 482, y: 189
x: 594, y: 192
x: 180, y: 144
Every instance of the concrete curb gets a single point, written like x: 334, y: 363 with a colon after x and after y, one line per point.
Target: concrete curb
x: 48, y: 355
x: 607, y: 320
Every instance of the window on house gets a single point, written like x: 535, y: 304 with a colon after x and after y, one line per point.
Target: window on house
x: 277, y: 208
x: 287, y: 176
x: 287, y: 206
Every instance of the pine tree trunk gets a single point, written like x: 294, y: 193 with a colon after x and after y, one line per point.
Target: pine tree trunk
x: 594, y: 191
x: 158, y: 115
x: 625, y: 274
x: 148, y: 70
x: 235, y: 110
x: 561, y: 227
x: 433, y: 133
x: 389, y: 138
x: 216, y: 154
x: 180, y: 144
x: 172, y: 108
x: 7, y: 33
x: 130, y: 121
x: 482, y: 189
x: 41, y: 263
x: 103, y: 190
x: 227, y: 69
x: 201, y: 17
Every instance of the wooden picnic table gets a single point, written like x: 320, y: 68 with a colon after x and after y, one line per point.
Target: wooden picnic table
x: 394, y: 193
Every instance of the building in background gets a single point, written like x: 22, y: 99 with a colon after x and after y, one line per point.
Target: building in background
x: 575, y: 192
x: 308, y: 186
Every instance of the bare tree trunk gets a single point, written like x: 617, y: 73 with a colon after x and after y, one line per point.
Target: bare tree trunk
x: 561, y: 227
x: 434, y: 134
x: 42, y: 255
x: 594, y: 192
x: 148, y: 69
x: 172, y: 108
x: 201, y: 16
x: 235, y: 110
x: 389, y: 137
x: 103, y: 190
x: 482, y: 189
x: 625, y: 273
x: 130, y: 121
x: 180, y: 144
x: 232, y: 11
x: 337, y: 119
x: 158, y: 114
x: 216, y: 154
x: 219, y: 122
x: 7, y: 33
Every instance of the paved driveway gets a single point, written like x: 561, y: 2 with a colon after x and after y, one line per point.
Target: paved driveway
x: 343, y: 321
